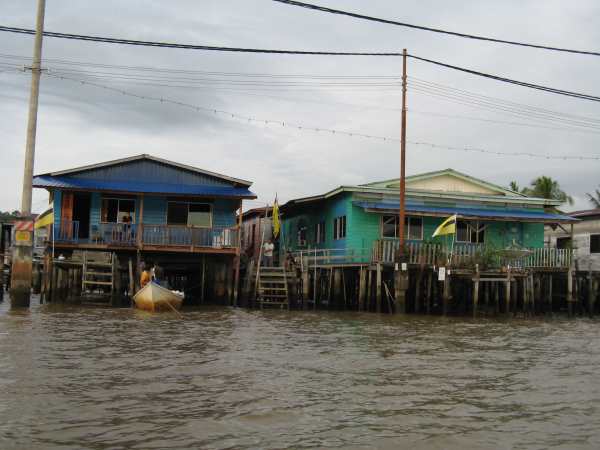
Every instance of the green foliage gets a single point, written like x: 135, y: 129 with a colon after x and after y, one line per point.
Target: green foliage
x: 546, y: 187
x: 594, y: 198
x: 6, y: 216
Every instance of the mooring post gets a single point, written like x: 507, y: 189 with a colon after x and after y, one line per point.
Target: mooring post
x: 400, y: 287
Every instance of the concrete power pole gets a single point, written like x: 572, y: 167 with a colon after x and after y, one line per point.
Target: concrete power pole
x: 23, y: 251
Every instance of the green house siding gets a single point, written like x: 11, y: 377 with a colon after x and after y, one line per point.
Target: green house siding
x: 364, y: 228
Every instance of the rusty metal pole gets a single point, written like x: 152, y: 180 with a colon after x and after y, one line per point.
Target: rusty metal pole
x: 22, y: 263
x: 402, y: 215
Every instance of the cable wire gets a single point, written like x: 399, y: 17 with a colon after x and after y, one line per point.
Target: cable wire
x: 434, y: 30
x: 302, y: 127
x: 298, y: 52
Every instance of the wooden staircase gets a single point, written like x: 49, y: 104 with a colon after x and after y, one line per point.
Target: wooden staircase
x: 98, y: 273
x: 272, y: 288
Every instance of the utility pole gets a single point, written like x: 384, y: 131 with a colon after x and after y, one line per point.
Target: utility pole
x: 23, y: 252
x: 402, y: 215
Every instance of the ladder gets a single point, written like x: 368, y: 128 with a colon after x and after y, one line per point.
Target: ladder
x: 98, y: 272
x: 272, y: 288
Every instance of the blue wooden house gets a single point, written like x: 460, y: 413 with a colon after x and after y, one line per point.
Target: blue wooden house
x: 149, y: 207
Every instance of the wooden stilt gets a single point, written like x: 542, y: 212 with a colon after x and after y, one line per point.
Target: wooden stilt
x: 446, y: 294
x: 428, y: 293
x: 419, y: 292
x: 476, y: 291
x: 507, y: 292
x: 369, y: 289
x: 378, y: 288
x: 570, y: 291
x: 362, y: 288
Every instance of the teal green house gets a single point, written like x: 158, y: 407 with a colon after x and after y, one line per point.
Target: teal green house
x: 358, y: 222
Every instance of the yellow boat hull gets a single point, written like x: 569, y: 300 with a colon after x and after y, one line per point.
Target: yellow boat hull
x: 153, y: 298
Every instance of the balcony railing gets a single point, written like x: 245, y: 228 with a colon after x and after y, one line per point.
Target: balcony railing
x: 121, y: 234
x: 114, y: 233
x: 180, y: 236
x: 464, y: 255
x: 66, y: 231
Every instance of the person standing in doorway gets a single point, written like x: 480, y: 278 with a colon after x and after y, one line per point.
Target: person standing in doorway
x: 268, y: 248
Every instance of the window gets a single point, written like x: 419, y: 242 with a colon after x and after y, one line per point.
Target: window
x: 301, y: 236
x: 189, y: 214
x: 564, y: 242
x: 339, y: 227
x: 413, y: 227
x: 320, y: 232
x: 595, y: 243
x: 115, y: 209
x: 472, y: 232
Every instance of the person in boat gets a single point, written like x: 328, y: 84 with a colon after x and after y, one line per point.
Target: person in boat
x: 146, y: 276
x: 157, y: 274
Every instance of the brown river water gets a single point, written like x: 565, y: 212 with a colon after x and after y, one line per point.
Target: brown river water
x: 75, y: 377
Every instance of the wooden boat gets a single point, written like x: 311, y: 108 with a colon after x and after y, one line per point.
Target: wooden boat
x: 154, y: 297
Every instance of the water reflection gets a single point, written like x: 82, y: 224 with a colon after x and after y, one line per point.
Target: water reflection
x: 87, y: 377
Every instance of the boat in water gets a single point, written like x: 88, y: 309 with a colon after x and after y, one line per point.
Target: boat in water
x: 153, y: 297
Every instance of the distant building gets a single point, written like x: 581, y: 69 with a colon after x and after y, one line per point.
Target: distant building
x: 254, y: 222
x: 586, y: 238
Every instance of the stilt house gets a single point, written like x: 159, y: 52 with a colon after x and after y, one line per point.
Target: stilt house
x: 359, y: 224
x: 148, y: 208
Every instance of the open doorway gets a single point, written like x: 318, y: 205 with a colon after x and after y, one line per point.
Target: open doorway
x: 81, y: 213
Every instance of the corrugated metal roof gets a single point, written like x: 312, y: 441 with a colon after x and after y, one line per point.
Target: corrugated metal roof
x: 509, y: 213
x: 146, y: 187
x: 146, y: 157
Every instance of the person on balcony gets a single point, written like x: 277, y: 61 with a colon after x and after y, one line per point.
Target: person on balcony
x: 268, y: 248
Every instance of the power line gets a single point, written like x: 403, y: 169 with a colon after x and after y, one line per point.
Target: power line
x: 298, y: 52
x: 302, y: 127
x: 434, y: 30
x: 509, y: 80
x: 107, y: 40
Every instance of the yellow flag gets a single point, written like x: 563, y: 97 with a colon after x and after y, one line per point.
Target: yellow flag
x: 276, y: 223
x: 448, y: 226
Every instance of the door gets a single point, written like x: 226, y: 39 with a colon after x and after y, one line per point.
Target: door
x: 81, y: 213
x: 66, y: 231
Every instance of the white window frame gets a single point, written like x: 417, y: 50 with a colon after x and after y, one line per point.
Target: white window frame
x: 407, y: 227
x: 478, y: 228
x: 320, y: 232
x: 188, y: 207
x: 339, y: 228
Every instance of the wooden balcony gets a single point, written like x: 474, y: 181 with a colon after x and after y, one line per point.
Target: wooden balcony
x: 157, y: 237
x: 467, y: 255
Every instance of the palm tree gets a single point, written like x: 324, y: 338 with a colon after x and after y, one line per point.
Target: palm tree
x: 594, y: 198
x: 514, y: 186
x: 546, y: 187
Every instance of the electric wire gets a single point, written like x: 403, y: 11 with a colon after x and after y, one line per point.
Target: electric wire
x: 434, y: 30
x: 539, y: 87
x: 302, y: 127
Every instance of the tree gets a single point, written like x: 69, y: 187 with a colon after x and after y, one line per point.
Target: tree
x: 546, y: 187
x: 594, y: 198
x: 514, y: 186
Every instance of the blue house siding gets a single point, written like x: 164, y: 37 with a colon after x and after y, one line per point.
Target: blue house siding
x: 57, y: 207
x: 149, y: 170
x: 95, y: 205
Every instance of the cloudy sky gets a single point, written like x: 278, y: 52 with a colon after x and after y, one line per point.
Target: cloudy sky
x: 81, y: 124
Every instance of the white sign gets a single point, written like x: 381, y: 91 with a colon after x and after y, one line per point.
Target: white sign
x: 441, y: 274
x: 404, y: 267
